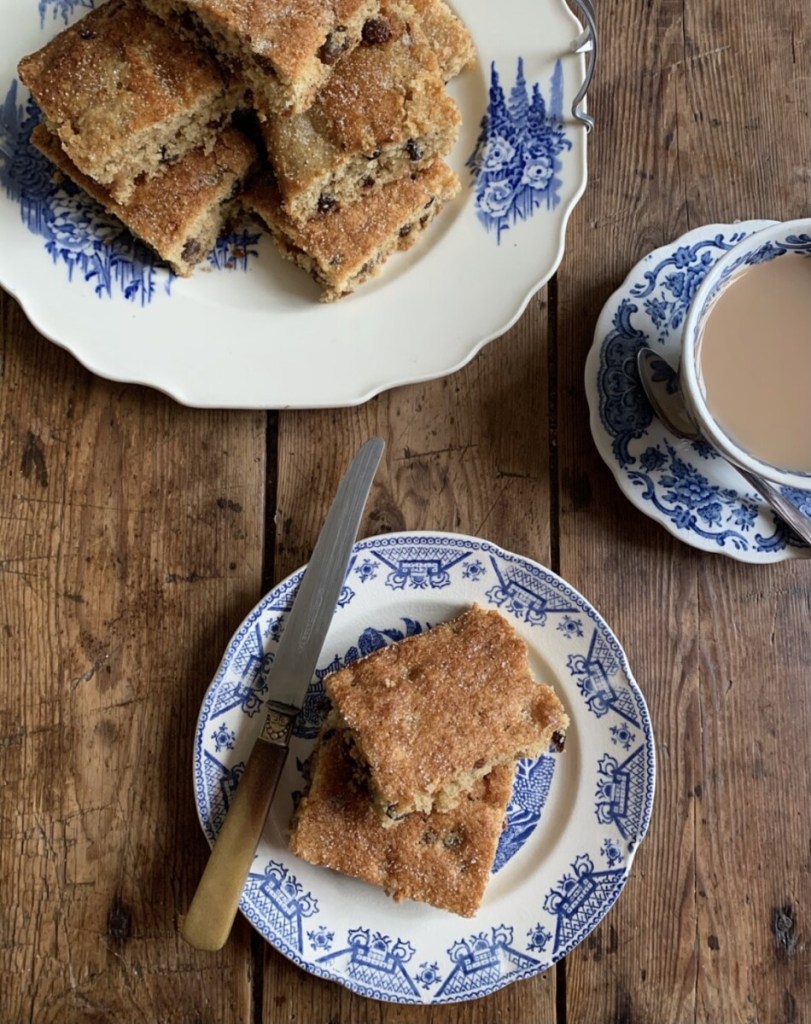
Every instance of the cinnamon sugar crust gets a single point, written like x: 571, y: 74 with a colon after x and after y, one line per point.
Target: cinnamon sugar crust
x: 345, y: 247
x: 383, y: 113
x: 181, y: 213
x: 444, y: 859
x: 126, y: 96
x: 432, y: 714
x: 283, y: 49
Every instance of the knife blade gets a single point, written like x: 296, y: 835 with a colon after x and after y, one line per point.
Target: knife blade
x: 211, y: 914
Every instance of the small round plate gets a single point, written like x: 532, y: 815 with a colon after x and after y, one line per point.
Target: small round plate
x: 247, y: 329
x: 574, y: 822
x: 686, y: 486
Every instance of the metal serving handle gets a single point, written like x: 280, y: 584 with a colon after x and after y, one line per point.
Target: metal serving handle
x: 586, y: 42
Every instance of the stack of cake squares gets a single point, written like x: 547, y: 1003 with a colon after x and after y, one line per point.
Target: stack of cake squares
x: 141, y: 120
x: 413, y: 772
x: 360, y: 173
x: 328, y: 119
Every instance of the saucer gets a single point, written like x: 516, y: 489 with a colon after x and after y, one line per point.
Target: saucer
x: 686, y: 486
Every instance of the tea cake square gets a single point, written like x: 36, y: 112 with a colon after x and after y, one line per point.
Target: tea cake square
x: 126, y: 97
x: 181, y: 213
x: 345, y: 247
x: 432, y: 714
x: 383, y: 113
x: 283, y: 50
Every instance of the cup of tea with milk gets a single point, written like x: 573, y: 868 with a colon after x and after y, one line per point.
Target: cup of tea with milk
x: 746, y: 354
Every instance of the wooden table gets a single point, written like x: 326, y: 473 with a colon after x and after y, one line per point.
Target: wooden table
x: 135, y: 534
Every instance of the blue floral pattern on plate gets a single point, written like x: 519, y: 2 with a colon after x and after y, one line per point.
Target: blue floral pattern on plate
x: 62, y: 9
x: 683, y: 485
x: 516, y: 163
x: 573, y: 823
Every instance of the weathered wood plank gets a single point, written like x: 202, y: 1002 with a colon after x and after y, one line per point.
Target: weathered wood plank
x: 130, y: 547
x: 690, y: 131
x: 468, y: 454
x: 753, y: 812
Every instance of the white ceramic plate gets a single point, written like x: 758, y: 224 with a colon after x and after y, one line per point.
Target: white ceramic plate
x: 685, y: 486
x: 254, y: 335
x: 574, y: 823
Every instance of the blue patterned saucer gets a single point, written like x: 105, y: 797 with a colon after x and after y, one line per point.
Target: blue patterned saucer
x: 685, y: 486
x: 574, y: 822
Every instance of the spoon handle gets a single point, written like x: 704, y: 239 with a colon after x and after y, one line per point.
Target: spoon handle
x: 785, y: 509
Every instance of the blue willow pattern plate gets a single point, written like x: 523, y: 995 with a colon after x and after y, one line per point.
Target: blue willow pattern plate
x: 247, y: 330
x: 686, y: 486
x: 574, y: 822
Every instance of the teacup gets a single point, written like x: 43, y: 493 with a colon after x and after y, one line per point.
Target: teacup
x: 746, y: 354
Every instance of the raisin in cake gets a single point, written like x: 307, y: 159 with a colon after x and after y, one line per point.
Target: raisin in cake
x: 181, y: 213
x: 383, y: 113
x: 283, y: 50
x: 344, y: 247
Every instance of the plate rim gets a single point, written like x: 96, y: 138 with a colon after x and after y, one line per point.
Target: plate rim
x: 646, y: 724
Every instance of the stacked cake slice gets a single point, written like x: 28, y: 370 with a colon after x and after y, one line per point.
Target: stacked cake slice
x: 359, y: 174
x: 181, y: 212
x: 413, y: 773
x: 141, y: 120
x: 283, y: 50
x: 344, y: 248
x: 442, y: 857
x: 383, y: 114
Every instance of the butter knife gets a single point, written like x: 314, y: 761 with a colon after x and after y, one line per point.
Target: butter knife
x: 216, y: 900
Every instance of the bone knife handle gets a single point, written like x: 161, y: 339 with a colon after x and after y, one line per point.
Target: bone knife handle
x: 215, y: 903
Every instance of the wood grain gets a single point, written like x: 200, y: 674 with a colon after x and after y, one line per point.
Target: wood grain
x: 468, y: 453
x: 753, y: 814
x: 130, y: 547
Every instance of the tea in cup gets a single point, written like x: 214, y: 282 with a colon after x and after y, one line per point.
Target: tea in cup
x: 746, y: 354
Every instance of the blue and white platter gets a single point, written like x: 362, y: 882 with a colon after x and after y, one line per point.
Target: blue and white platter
x: 686, y: 486
x: 247, y: 330
x: 575, y: 820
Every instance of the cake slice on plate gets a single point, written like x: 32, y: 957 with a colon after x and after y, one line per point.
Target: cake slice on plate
x: 126, y: 97
x: 283, y: 50
x: 344, y: 247
x: 441, y: 858
x: 432, y: 714
x: 449, y: 37
x: 384, y: 113
x: 181, y: 213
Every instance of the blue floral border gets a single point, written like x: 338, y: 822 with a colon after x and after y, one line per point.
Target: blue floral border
x: 516, y: 163
x: 61, y: 9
